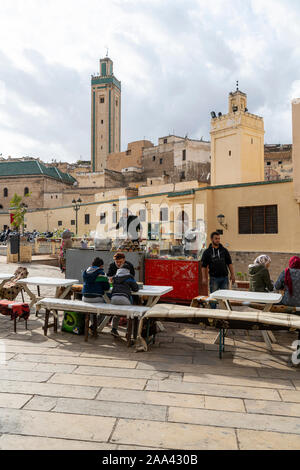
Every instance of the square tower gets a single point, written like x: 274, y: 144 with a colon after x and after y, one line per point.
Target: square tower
x: 105, y: 115
x: 237, y: 144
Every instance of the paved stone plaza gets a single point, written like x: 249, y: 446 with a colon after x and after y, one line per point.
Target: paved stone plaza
x: 62, y: 393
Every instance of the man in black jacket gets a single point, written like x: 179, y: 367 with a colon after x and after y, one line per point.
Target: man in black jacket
x: 217, y: 260
x: 119, y: 262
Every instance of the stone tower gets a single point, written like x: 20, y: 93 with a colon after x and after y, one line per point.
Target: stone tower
x: 237, y: 144
x: 105, y: 115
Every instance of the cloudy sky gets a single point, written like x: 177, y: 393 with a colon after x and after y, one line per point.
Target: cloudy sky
x: 177, y: 61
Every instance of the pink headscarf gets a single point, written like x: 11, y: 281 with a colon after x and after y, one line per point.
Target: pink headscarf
x: 294, y: 263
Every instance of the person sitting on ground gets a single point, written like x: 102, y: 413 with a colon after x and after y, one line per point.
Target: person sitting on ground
x: 123, y: 284
x: 119, y: 262
x: 95, y: 284
x: 289, y: 281
x: 259, y: 275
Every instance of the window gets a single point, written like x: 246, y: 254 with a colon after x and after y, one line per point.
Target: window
x: 101, y: 99
x: 268, y: 163
x: 160, y: 161
x: 87, y: 219
x: 279, y: 163
x: 72, y: 222
x: 117, y: 102
x: 101, y: 121
x: 258, y: 219
x: 182, y: 175
x: 163, y: 215
x: 153, y: 158
x: 142, y: 215
x: 183, y: 155
x: 251, y: 141
x: 59, y: 223
x: 26, y: 191
x: 230, y: 153
x: 102, y: 218
x: 165, y: 141
x: 1, y: 207
x: 5, y: 192
x: 115, y: 217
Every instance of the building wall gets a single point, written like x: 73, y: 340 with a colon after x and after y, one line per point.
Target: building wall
x: 296, y: 147
x: 131, y: 158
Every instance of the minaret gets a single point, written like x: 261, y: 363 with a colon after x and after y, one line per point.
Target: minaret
x: 237, y: 144
x: 105, y: 115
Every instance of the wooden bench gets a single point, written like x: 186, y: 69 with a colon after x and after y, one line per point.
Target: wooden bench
x: 133, y: 313
x: 220, y: 319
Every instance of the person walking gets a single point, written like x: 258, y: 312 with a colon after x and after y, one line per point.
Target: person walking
x: 217, y: 261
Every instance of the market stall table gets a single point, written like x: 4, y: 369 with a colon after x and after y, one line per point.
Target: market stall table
x: 268, y: 298
x: 62, y: 287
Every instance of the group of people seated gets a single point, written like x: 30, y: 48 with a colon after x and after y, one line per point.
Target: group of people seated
x: 120, y: 277
x: 288, y: 280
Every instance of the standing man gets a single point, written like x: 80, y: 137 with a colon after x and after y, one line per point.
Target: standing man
x: 131, y: 225
x: 217, y: 260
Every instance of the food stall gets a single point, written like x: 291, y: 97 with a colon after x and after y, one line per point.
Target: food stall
x: 175, y: 266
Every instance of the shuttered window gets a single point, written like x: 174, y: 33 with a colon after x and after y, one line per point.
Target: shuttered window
x: 258, y: 219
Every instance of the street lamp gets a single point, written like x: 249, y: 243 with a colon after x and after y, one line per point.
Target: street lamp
x: 76, y: 207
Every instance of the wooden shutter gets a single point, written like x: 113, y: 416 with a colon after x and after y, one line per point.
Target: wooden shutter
x: 271, y: 219
x: 244, y: 220
x: 258, y: 219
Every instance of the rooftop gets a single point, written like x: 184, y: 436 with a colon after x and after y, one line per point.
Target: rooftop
x: 31, y: 168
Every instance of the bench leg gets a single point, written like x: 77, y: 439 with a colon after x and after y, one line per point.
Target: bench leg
x: 86, y: 327
x: 129, y: 332
x: 135, y: 327
x: 55, y: 316
x: 95, y: 333
x: 46, y: 322
x: 267, y: 340
x: 103, y: 323
x: 221, y: 342
x: 15, y: 324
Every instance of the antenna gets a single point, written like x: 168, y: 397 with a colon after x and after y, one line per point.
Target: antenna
x: 106, y: 51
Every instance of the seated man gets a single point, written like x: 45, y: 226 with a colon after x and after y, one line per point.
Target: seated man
x: 119, y: 262
x: 95, y: 284
x: 123, y: 285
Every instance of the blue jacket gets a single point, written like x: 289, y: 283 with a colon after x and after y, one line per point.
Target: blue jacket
x: 95, y: 282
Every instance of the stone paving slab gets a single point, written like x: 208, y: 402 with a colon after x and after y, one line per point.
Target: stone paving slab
x: 263, y: 440
x: 272, y: 408
x: 290, y: 395
x: 288, y: 425
x: 128, y: 373
x: 154, y: 398
x: 199, y: 369
x: 57, y: 425
x: 13, y: 400
x: 61, y: 359
x: 98, y: 381
x: 214, y: 390
x: 56, y: 390
x: 173, y: 436
x: 108, y: 408
x: 17, y: 442
x: 25, y: 376
x: 251, y: 382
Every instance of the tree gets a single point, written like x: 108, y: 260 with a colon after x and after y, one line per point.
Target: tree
x: 18, y: 209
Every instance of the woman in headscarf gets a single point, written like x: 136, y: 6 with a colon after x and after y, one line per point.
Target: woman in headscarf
x: 259, y: 275
x: 289, y: 281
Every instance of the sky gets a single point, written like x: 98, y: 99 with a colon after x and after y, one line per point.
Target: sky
x: 177, y: 61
